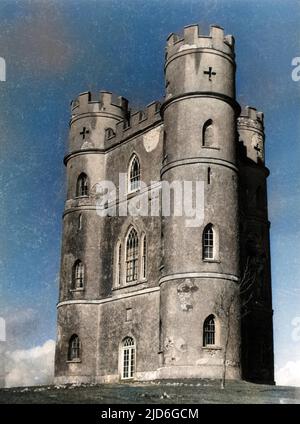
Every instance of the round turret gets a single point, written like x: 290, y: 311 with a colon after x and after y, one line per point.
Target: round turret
x: 251, y: 133
x: 94, y: 119
x: 196, y: 63
x: 201, y: 263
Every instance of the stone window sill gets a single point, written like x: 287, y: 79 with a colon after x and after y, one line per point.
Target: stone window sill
x: 76, y: 290
x: 217, y: 261
x: 131, y: 284
x: 74, y: 361
x: 82, y: 197
x: 132, y: 193
x: 212, y: 347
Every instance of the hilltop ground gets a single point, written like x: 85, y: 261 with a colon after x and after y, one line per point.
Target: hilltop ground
x: 172, y: 392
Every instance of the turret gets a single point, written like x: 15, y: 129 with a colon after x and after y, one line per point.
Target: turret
x: 208, y: 61
x: 93, y: 122
x: 251, y: 133
x: 94, y: 119
x: 83, y: 277
x: 200, y: 114
x: 258, y: 361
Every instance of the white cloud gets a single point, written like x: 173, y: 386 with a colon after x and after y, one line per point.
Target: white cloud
x: 31, y: 367
x: 289, y: 374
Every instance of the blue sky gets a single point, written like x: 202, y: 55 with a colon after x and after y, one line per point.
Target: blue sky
x: 57, y: 49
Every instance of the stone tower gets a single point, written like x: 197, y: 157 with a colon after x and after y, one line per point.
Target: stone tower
x: 145, y: 296
x: 257, y: 322
x: 200, y: 97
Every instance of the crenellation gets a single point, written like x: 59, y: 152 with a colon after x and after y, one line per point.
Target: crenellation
x: 191, y: 33
x: 217, y: 32
x: 252, y: 113
x: 135, y: 119
x: 103, y: 101
x: 134, y: 124
x: 250, y: 117
x: 229, y: 39
x: 193, y: 39
x: 173, y: 39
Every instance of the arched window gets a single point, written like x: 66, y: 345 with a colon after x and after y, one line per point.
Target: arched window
x: 78, y: 275
x: 207, y: 134
x: 74, y: 348
x: 82, y: 188
x: 208, y: 242
x: 109, y: 132
x: 209, y: 331
x: 134, y: 174
x: 132, y: 255
x: 118, y: 263
x: 128, y: 358
x: 144, y: 257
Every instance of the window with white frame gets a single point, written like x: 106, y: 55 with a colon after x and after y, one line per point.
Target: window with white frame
x: 132, y: 256
x: 209, y: 331
x: 134, y: 174
x: 208, y: 242
x: 128, y: 358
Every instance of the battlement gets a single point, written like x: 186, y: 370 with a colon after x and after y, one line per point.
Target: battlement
x: 192, y: 39
x: 135, y: 123
x: 103, y: 101
x: 249, y: 116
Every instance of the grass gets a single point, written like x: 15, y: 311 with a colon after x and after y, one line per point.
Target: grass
x: 165, y: 392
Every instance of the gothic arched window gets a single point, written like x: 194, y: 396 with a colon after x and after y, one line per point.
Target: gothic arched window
x: 128, y: 358
x: 208, y: 242
x: 82, y: 188
x: 209, y: 331
x: 78, y: 275
x: 134, y: 174
x: 74, y: 348
x: 207, y: 134
x: 132, y: 256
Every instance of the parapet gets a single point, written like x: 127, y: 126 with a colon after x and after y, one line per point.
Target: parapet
x: 135, y: 123
x: 250, y: 117
x: 103, y: 101
x: 192, y: 39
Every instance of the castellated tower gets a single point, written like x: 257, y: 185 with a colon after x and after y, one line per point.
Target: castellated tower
x: 257, y: 322
x: 145, y: 296
x: 200, y: 115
